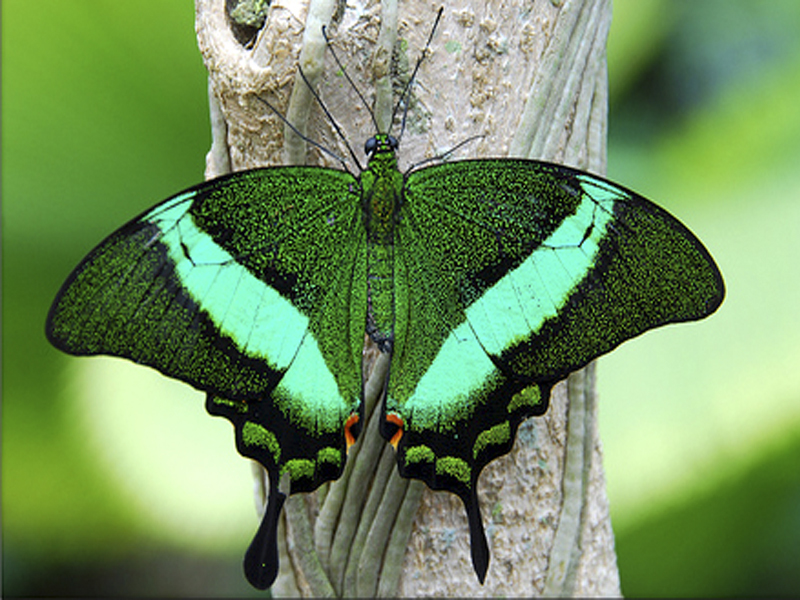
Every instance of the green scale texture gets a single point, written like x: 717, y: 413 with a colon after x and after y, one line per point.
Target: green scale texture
x: 487, y: 281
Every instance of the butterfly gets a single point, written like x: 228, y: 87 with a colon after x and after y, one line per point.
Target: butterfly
x: 486, y: 282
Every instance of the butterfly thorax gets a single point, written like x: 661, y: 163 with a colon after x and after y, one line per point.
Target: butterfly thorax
x: 382, y: 187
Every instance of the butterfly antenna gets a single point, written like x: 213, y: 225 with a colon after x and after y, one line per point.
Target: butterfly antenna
x: 447, y: 153
x: 304, y: 137
x: 347, y: 76
x: 330, y: 117
x: 407, y: 89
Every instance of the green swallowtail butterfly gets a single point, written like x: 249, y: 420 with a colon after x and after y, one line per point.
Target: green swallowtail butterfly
x: 487, y: 281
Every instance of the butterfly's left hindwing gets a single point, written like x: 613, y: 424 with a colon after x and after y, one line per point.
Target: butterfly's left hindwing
x: 251, y: 288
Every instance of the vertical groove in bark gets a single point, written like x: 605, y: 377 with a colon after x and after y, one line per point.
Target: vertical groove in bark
x: 530, y: 78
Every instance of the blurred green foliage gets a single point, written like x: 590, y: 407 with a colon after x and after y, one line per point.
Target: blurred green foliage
x: 104, y: 113
x: 701, y: 423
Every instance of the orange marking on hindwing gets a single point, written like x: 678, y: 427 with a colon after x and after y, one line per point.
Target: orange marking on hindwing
x: 397, y: 420
x: 349, y: 438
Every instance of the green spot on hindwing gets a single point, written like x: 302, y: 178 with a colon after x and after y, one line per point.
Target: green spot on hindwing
x: 330, y: 455
x: 455, y: 468
x: 254, y: 434
x: 237, y: 405
x: 419, y: 454
x: 299, y: 468
x: 530, y: 396
x: 495, y: 436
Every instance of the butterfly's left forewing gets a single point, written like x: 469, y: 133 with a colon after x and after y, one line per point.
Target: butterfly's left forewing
x: 251, y: 288
x: 511, y: 274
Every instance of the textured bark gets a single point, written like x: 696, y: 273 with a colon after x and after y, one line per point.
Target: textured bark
x: 531, y: 79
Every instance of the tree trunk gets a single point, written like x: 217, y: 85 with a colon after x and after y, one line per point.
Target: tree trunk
x: 531, y: 79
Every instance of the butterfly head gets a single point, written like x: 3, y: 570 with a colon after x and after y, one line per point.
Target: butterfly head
x: 379, y: 144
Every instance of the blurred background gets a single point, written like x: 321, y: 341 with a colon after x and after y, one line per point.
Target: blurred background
x: 108, y: 492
